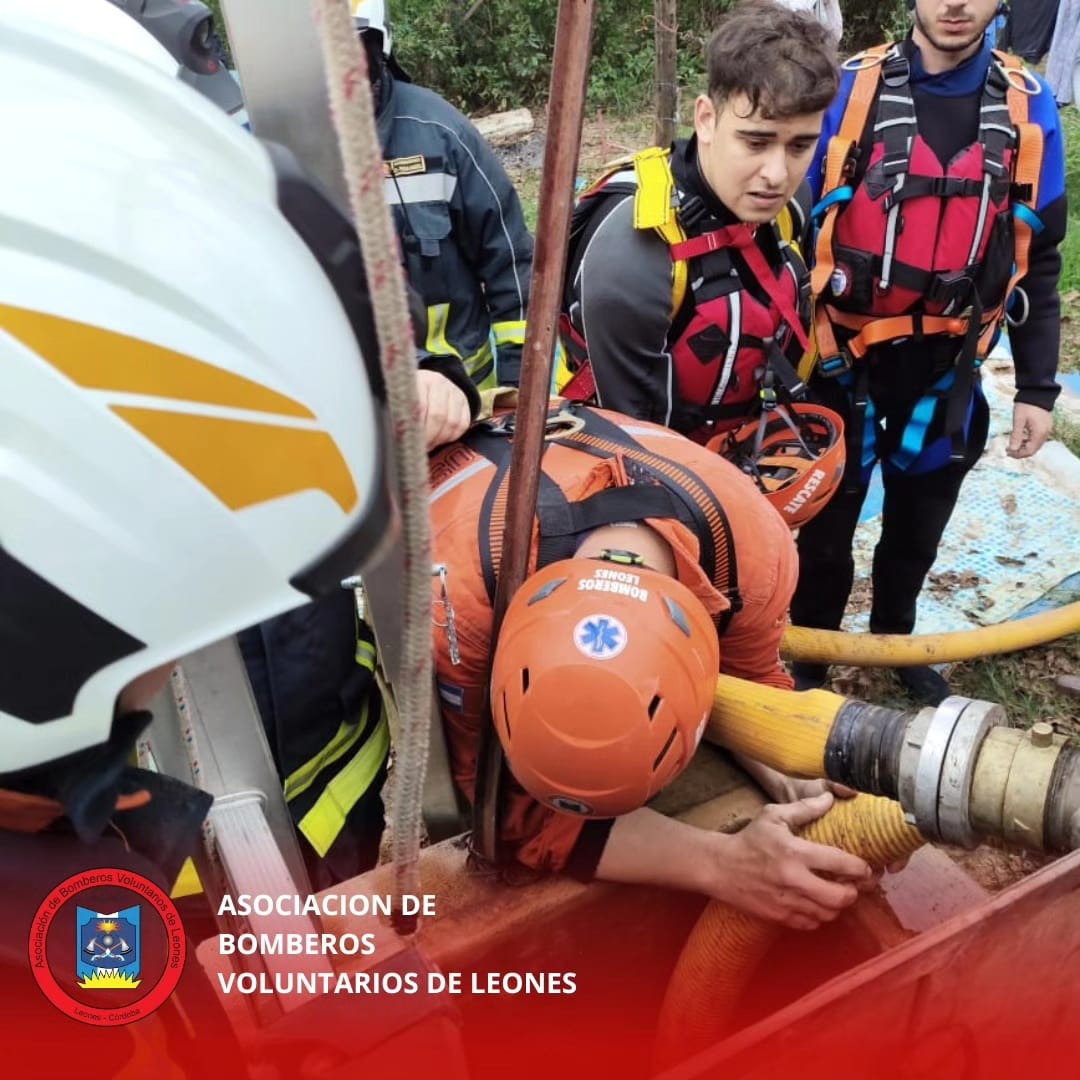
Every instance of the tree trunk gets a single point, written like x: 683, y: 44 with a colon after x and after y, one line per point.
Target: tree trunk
x: 667, y: 88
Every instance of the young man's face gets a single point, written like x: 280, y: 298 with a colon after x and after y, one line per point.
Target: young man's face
x: 753, y: 165
x: 954, y: 26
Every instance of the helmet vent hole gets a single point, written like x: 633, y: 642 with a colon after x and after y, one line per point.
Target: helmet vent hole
x: 506, y: 716
x: 654, y: 705
x: 678, y: 616
x: 544, y: 592
x: 524, y: 680
x: 663, y: 753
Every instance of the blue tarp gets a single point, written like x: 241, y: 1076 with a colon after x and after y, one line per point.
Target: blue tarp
x: 1014, y: 536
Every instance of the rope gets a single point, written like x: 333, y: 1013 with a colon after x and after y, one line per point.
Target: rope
x: 353, y: 113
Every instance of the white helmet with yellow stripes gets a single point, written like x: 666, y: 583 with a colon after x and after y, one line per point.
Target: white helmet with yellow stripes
x: 189, y: 442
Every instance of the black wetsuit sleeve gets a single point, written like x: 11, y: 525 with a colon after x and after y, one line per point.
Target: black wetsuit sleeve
x: 1037, y: 341
x: 623, y: 287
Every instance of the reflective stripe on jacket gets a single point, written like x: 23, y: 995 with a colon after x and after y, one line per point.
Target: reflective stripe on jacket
x: 312, y: 671
x: 464, y: 241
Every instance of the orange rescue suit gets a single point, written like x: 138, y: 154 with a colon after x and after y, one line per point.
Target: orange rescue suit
x: 466, y: 519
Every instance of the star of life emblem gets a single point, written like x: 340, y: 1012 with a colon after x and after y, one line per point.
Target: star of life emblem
x: 600, y: 637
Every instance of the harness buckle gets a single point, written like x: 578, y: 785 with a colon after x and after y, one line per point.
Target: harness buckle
x: 692, y: 210
x: 832, y: 367
x: 356, y: 583
x: 951, y: 290
x: 896, y: 71
x: 851, y: 162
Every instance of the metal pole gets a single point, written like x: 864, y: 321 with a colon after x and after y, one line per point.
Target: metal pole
x: 566, y: 106
x: 667, y: 83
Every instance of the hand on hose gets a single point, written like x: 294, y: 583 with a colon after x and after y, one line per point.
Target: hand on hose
x: 444, y: 408
x: 1031, y: 428
x: 782, y: 788
x: 788, y: 789
x: 773, y: 874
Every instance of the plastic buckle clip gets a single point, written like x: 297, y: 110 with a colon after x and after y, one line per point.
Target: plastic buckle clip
x: 831, y: 367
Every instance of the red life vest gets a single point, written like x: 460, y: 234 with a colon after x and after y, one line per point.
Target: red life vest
x: 725, y: 336
x: 907, y: 245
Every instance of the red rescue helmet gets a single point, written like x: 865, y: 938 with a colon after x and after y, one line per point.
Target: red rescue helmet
x: 795, y: 453
x: 601, y: 683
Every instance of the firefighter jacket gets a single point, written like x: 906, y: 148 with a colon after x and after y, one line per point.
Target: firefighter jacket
x: 312, y: 673
x: 464, y: 241
x: 731, y: 548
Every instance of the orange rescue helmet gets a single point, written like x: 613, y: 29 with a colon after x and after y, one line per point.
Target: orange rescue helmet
x: 602, y: 680
x: 796, y: 455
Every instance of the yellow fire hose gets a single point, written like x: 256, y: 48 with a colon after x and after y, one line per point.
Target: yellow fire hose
x: 726, y: 946
x: 785, y: 730
x: 903, y: 650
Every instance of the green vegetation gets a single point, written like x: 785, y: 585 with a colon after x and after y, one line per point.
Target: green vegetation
x: 1067, y: 431
x: 1025, y: 684
x: 496, y: 54
x: 1070, y: 249
x: 488, y: 55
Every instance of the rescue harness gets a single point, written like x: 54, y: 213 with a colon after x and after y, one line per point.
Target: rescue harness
x: 725, y: 341
x: 660, y: 487
x: 908, y: 248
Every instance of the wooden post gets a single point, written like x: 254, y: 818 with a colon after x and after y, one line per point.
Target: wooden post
x: 667, y: 80
x: 566, y: 108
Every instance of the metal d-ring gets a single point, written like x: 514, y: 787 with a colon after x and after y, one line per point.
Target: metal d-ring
x: 862, y: 61
x: 1028, y: 84
x: 556, y: 425
x: 564, y: 422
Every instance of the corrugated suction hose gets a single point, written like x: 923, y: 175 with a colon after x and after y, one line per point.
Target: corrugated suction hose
x: 726, y: 946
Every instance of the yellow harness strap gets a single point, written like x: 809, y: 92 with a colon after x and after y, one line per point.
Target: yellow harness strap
x: 655, y: 208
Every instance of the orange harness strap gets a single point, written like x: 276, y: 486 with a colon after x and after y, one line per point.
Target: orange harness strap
x: 1029, y: 157
x: 840, y: 155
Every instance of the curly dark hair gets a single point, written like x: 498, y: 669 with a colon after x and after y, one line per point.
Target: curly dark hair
x: 784, y: 62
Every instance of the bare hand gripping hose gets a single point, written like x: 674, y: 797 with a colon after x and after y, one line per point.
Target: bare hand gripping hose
x: 726, y: 946
x: 353, y: 112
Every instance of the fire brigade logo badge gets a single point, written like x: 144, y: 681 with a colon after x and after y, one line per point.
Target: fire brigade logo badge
x: 108, y: 949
